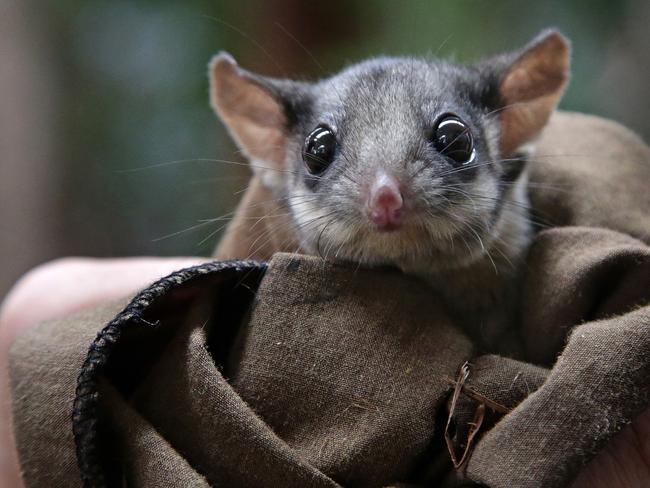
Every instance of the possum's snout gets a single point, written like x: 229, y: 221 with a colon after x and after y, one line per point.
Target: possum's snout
x: 385, y: 203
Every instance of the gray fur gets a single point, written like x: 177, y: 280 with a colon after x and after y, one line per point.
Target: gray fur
x: 384, y: 111
x: 467, y: 228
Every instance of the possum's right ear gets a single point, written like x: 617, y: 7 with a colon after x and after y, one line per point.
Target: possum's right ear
x: 252, y: 109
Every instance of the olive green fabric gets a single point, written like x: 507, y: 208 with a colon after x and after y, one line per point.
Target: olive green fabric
x: 44, y: 365
x: 592, y: 285
x: 591, y: 172
x: 365, y: 360
x: 149, y: 460
x: 334, y: 376
x: 188, y: 401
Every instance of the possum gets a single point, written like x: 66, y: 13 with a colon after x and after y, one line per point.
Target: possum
x: 409, y: 162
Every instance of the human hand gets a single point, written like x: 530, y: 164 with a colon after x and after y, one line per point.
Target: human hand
x: 57, y: 289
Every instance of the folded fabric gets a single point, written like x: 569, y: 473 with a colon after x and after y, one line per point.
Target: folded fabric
x: 301, y: 372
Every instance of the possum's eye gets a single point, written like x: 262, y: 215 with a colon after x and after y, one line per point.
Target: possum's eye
x: 319, y: 150
x: 453, y: 139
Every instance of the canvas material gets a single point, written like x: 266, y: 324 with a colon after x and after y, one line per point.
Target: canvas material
x: 314, y: 388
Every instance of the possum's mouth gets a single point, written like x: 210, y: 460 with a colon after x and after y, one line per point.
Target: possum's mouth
x: 408, y: 246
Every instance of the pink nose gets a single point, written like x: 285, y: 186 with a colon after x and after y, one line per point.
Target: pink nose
x: 385, y: 203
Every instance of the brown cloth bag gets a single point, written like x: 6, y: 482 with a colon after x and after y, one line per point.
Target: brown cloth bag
x: 306, y: 373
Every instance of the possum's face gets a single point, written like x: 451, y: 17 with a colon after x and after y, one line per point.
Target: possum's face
x: 397, y: 160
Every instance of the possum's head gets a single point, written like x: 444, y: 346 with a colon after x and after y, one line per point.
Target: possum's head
x: 397, y: 160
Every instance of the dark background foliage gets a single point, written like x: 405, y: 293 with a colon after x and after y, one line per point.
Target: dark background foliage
x: 105, y: 129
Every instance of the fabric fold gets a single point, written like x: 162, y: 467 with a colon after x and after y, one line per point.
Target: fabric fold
x: 348, y: 366
x: 305, y: 373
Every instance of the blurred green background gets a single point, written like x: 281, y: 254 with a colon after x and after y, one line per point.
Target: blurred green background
x: 104, y: 102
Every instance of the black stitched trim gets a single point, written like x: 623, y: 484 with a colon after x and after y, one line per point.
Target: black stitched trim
x: 86, y: 402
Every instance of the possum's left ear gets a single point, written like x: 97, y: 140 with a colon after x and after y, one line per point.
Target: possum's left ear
x: 530, y: 85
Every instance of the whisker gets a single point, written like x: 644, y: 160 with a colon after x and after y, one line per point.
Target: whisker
x: 208, y: 160
x: 230, y: 215
x: 177, y: 233
x: 301, y: 45
x: 248, y: 37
